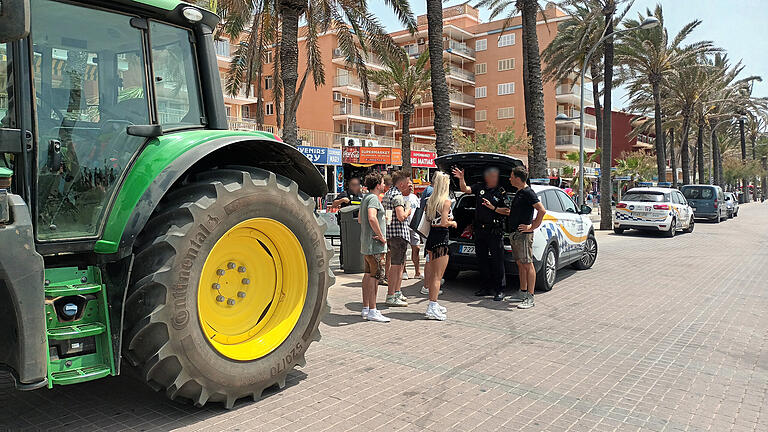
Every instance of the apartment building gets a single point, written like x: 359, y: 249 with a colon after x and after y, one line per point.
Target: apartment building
x: 624, y: 139
x: 484, y: 64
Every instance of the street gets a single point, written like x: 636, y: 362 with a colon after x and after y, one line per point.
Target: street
x: 661, y: 334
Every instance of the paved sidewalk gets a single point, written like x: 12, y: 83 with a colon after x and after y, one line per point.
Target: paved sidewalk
x: 661, y: 335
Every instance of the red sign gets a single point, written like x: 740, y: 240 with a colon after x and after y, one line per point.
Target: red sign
x: 351, y: 155
x: 397, y: 157
x: 375, y: 155
x: 423, y: 159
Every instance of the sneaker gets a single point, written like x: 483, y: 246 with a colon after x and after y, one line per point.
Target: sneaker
x: 405, y: 275
x: 376, y: 316
x: 401, y: 296
x: 442, y: 308
x: 516, y: 297
x: 425, y: 291
x: 499, y: 296
x: 384, y: 282
x: 527, y: 302
x: 419, y: 276
x: 364, y: 314
x: 434, y: 313
x: 393, y: 300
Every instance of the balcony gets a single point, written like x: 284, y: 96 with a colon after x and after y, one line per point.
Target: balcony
x: 571, y: 94
x: 356, y: 112
x: 246, y: 124
x: 371, y: 60
x: 456, y: 47
x: 461, y: 75
x: 645, y: 142
x: 462, y: 122
x: 428, y: 122
x: 589, y: 120
x: 571, y: 143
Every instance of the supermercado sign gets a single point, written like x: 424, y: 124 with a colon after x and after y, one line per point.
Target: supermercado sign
x: 423, y: 159
x: 321, y: 155
x: 373, y: 155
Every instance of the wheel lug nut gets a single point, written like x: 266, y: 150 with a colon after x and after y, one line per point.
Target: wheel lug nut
x: 220, y: 272
x: 219, y: 298
x: 241, y: 269
x: 241, y: 294
x: 231, y: 302
x: 216, y: 286
x: 246, y: 281
x: 231, y: 265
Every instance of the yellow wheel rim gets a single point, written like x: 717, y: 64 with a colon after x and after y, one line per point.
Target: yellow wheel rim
x: 252, y: 289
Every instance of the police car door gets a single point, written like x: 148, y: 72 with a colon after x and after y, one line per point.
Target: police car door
x: 573, y: 226
x: 554, y: 219
x: 681, y: 206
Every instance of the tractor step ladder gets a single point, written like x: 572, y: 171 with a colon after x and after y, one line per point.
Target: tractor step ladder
x: 77, y: 326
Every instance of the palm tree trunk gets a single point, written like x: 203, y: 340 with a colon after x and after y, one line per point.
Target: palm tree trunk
x: 405, y: 141
x: 693, y: 165
x: 661, y: 165
x: 535, y: 93
x: 606, y: 139
x: 717, y: 165
x: 672, y: 158
x: 291, y: 10
x: 700, y: 153
x: 440, y: 102
x: 598, y: 107
x: 684, y: 157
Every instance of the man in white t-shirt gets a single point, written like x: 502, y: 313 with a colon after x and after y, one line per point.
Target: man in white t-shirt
x: 415, y: 239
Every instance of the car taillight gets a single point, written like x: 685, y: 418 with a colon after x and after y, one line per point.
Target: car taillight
x: 621, y: 205
x: 661, y: 206
x: 715, y: 203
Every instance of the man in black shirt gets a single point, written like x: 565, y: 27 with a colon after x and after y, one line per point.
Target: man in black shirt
x: 522, y: 224
x: 487, y: 228
x: 352, y: 196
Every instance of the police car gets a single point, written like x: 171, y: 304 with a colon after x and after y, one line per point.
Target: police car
x: 653, y: 209
x: 565, y: 237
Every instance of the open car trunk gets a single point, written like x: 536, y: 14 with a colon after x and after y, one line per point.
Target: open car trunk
x: 474, y: 164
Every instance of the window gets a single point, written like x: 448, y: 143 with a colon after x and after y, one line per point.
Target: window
x: 267, y: 57
x: 568, y: 205
x: 269, y: 108
x: 506, y: 64
x: 6, y: 113
x: 698, y: 192
x: 553, y: 202
x: 245, y: 111
x: 480, y: 115
x: 176, y: 87
x: 506, y: 40
x: 644, y: 196
x: 89, y: 76
x: 480, y: 92
x: 543, y: 200
x: 505, y: 113
x: 222, y: 47
x: 505, y: 89
x: 681, y: 198
x: 268, y: 83
x: 481, y: 44
x: 480, y: 68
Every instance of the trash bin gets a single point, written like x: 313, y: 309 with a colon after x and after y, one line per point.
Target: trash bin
x: 350, y: 240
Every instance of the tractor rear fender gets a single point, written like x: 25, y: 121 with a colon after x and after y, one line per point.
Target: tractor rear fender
x: 171, y: 159
x: 22, y: 322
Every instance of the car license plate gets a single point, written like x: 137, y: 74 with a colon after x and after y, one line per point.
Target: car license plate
x: 467, y: 250
x: 640, y: 214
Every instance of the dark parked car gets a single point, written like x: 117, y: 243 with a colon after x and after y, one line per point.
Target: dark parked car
x: 707, y: 201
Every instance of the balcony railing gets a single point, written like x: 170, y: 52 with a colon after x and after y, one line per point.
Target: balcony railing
x: 573, y: 140
x: 573, y: 89
x: 461, y: 73
x: 459, y: 47
x: 312, y: 137
x: 352, y: 81
x: 459, y: 121
x: 371, y: 59
x: 453, y: 96
x: 573, y: 115
x: 429, y: 121
x: 357, y: 110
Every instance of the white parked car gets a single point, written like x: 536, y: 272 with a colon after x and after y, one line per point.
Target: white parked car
x: 653, y: 209
x: 565, y: 237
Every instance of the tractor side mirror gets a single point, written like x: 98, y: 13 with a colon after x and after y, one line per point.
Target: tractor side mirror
x: 14, y: 20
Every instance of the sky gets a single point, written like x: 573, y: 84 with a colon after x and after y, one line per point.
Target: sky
x: 740, y: 27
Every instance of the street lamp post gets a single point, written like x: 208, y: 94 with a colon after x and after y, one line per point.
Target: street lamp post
x: 647, y: 23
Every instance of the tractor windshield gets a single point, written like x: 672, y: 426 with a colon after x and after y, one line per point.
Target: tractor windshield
x: 92, y: 81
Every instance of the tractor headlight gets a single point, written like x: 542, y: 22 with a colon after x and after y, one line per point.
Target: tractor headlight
x: 192, y: 15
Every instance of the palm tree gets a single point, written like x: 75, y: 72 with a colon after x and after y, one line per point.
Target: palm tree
x: 407, y: 83
x: 276, y: 23
x: 440, y: 93
x: 533, y: 87
x: 649, y: 56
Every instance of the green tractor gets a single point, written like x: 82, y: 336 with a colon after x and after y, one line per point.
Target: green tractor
x: 135, y: 228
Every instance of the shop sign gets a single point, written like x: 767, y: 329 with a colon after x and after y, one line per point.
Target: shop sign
x: 351, y: 155
x: 334, y: 157
x: 375, y: 155
x: 423, y: 159
x: 397, y: 157
x: 316, y: 155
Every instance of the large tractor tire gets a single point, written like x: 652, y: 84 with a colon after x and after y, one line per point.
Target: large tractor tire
x: 230, y: 282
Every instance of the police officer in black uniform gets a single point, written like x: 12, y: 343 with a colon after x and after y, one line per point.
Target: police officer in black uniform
x: 490, y: 210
